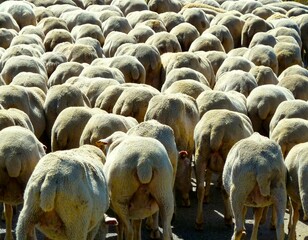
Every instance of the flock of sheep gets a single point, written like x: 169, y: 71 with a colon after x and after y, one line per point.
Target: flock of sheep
x: 111, y: 104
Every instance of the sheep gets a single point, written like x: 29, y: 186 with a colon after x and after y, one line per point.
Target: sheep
x: 236, y: 80
x: 103, y: 71
x: 141, y: 33
x: 192, y: 60
x: 115, y: 24
x: 183, y: 73
x: 289, y: 109
x: 141, y: 16
x: 289, y: 132
x: 262, y: 102
x: 224, y: 35
x: 180, y: 112
x: 139, y: 176
x: 262, y: 55
x: 297, y: 84
x: 190, y: 87
x: 15, y: 117
x: 171, y: 19
x: 254, y: 175
x: 60, y: 97
x: 69, y: 125
x: 149, y: 56
x: 214, y: 135
x: 234, y: 63
x: 64, y: 71
x: 206, y: 42
x: 22, y: 63
x: 27, y: 100
x: 231, y: 100
x: 66, y: 196
x: 22, y: 12
x: 186, y: 33
x: 103, y: 125
x: 129, y: 99
x: 114, y: 40
x: 196, y: 17
x: 264, y: 75
x: 92, y: 87
x: 296, y: 163
x: 20, y: 151
x: 29, y: 79
x: 164, y: 42
x: 55, y: 37
x: 133, y: 71
x: 163, y: 133
x: 130, y: 6
x: 251, y: 26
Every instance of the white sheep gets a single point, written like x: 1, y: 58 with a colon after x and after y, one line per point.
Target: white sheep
x: 164, y: 134
x: 66, y: 196
x: 20, y: 151
x: 297, y: 165
x: 289, y: 132
x: 139, y: 176
x: 214, y: 135
x: 180, y: 112
x: 254, y: 175
x: 296, y: 108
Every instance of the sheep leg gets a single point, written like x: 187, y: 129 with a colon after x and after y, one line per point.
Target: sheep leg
x: 208, y: 178
x: 120, y: 229
x: 77, y: 230
x: 302, y: 176
x: 137, y: 229
x: 257, y: 218
x: 25, y: 229
x: 294, y: 216
x: 155, y: 234
x: 279, y: 208
x: 166, y: 217
x: 124, y: 223
x: 94, y: 232
x: 227, y: 207
x: 8, y: 210
x: 273, y: 218
x: 264, y: 215
x: 239, y: 211
x: 200, y: 177
x: 164, y: 198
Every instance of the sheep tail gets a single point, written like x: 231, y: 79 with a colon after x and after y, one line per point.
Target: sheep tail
x: 48, y: 194
x: 144, y: 172
x: 264, y: 185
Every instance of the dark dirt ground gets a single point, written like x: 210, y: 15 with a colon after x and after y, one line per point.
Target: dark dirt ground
x: 214, y: 227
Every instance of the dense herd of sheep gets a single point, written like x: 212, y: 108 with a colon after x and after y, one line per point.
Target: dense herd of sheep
x: 116, y: 104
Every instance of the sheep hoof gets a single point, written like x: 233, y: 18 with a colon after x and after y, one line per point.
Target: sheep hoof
x: 239, y: 235
x: 199, y: 226
x: 155, y: 234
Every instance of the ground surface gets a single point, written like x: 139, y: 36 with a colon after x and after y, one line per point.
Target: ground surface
x: 214, y: 228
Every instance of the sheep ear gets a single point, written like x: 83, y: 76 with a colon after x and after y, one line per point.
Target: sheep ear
x: 45, y: 148
x: 102, y: 142
x: 183, y: 153
x: 111, y: 221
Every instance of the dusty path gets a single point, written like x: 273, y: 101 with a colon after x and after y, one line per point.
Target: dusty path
x: 214, y: 228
